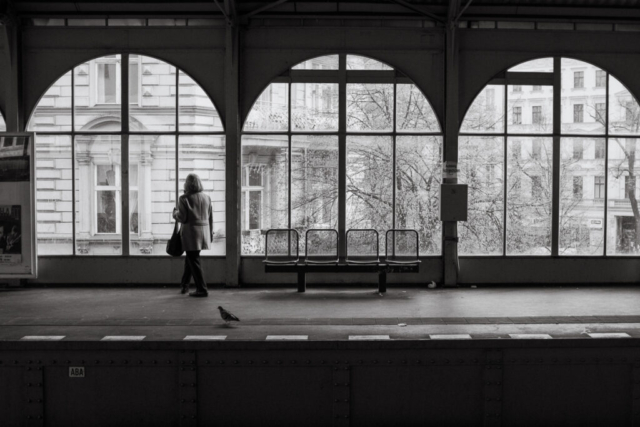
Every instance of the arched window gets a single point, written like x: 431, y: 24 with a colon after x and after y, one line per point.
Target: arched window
x: 544, y: 120
x: 3, y: 126
x: 333, y: 110
x: 83, y: 129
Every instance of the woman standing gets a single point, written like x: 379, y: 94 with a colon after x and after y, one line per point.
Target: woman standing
x: 195, y: 213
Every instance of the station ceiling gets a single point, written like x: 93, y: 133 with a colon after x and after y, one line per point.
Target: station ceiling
x: 596, y: 10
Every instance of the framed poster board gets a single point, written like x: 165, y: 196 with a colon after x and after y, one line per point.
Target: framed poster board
x: 18, y: 250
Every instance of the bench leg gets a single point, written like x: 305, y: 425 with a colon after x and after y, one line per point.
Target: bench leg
x: 382, y: 282
x: 302, y: 282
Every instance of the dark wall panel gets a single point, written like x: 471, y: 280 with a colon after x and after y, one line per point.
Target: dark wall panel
x: 112, y: 396
x: 12, y: 398
x: 567, y: 395
x: 265, y: 396
x: 416, y: 396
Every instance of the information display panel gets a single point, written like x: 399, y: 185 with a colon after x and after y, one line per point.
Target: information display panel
x: 18, y: 257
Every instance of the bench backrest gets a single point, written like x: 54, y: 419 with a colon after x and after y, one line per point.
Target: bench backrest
x: 321, y: 243
x: 281, y: 244
x: 402, y: 244
x: 363, y: 244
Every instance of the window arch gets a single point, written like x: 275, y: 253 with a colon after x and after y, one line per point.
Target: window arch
x: 169, y: 124
x: 341, y: 110
x: 514, y: 142
x: 3, y: 125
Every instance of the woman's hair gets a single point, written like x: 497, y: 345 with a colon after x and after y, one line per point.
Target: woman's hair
x: 192, y: 184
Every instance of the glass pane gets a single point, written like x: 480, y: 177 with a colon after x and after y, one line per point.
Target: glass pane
x: 3, y: 126
x: 54, y: 195
x: 97, y: 95
x: 53, y: 112
x: 370, y: 107
x: 529, y: 187
x: 370, y: 183
x: 266, y: 155
x: 581, y: 196
x: 197, y: 113
x: 97, y: 192
x: 529, y: 110
x: 314, y: 183
x: 314, y: 106
x: 414, y: 113
x: 362, y: 63
x: 622, y: 201
x: 152, y: 95
x: 486, y: 114
x: 86, y: 22
x: 481, y: 162
x: 270, y: 111
x: 329, y: 62
x: 205, y: 156
x: 418, y: 173
x: 541, y: 65
x: 584, y: 98
x: 624, y: 113
x: 152, y: 192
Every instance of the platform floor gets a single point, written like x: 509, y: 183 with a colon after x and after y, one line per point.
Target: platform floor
x: 92, y: 313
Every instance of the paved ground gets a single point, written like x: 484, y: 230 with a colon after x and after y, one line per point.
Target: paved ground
x: 320, y: 313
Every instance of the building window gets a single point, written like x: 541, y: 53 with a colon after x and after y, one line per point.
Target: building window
x: 108, y: 83
x: 601, y: 78
x: 598, y: 187
x: 599, y: 149
x: 517, y: 88
x: 578, y: 148
x: 630, y: 111
x: 536, y: 149
x: 536, y: 88
x: 578, y: 113
x: 134, y: 80
x: 578, y: 79
x: 577, y: 187
x: 536, y: 114
x: 601, y: 112
x: 536, y: 187
x: 107, y: 199
x: 517, y: 115
x: 252, y: 193
x: 516, y: 150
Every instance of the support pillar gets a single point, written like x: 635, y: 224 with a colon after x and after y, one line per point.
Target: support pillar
x: 232, y: 125
x: 14, y: 117
x: 450, y: 228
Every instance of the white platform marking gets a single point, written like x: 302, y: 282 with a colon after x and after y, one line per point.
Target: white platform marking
x: 205, y: 337
x: 531, y: 336
x: 42, y: 338
x: 123, y: 338
x: 368, y: 337
x: 450, y: 337
x: 609, y: 335
x: 287, y: 337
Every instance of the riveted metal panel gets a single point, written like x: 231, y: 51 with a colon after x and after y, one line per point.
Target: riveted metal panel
x: 112, y: 396
x: 493, y: 388
x: 13, y: 400
x: 286, y: 394
x: 567, y: 393
x: 405, y: 394
x: 188, y: 390
x: 33, y: 384
x: 341, y: 395
x: 635, y: 402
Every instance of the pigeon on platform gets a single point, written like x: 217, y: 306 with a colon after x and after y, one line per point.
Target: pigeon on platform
x: 226, y: 316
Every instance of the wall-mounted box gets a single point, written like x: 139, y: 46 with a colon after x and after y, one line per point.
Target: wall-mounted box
x: 453, y: 202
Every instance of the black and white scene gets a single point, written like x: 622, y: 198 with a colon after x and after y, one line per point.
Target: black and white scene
x: 319, y: 213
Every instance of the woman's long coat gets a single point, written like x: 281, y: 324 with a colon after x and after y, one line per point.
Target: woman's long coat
x: 195, y: 214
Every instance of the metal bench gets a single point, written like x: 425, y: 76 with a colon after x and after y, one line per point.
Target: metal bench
x: 361, y: 259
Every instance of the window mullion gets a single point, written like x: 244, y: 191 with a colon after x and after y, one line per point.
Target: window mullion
x: 342, y: 156
x: 606, y: 165
x: 557, y: 123
x: 124, y: 153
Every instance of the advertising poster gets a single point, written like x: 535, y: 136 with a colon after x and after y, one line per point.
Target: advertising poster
x: 17, y: 206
